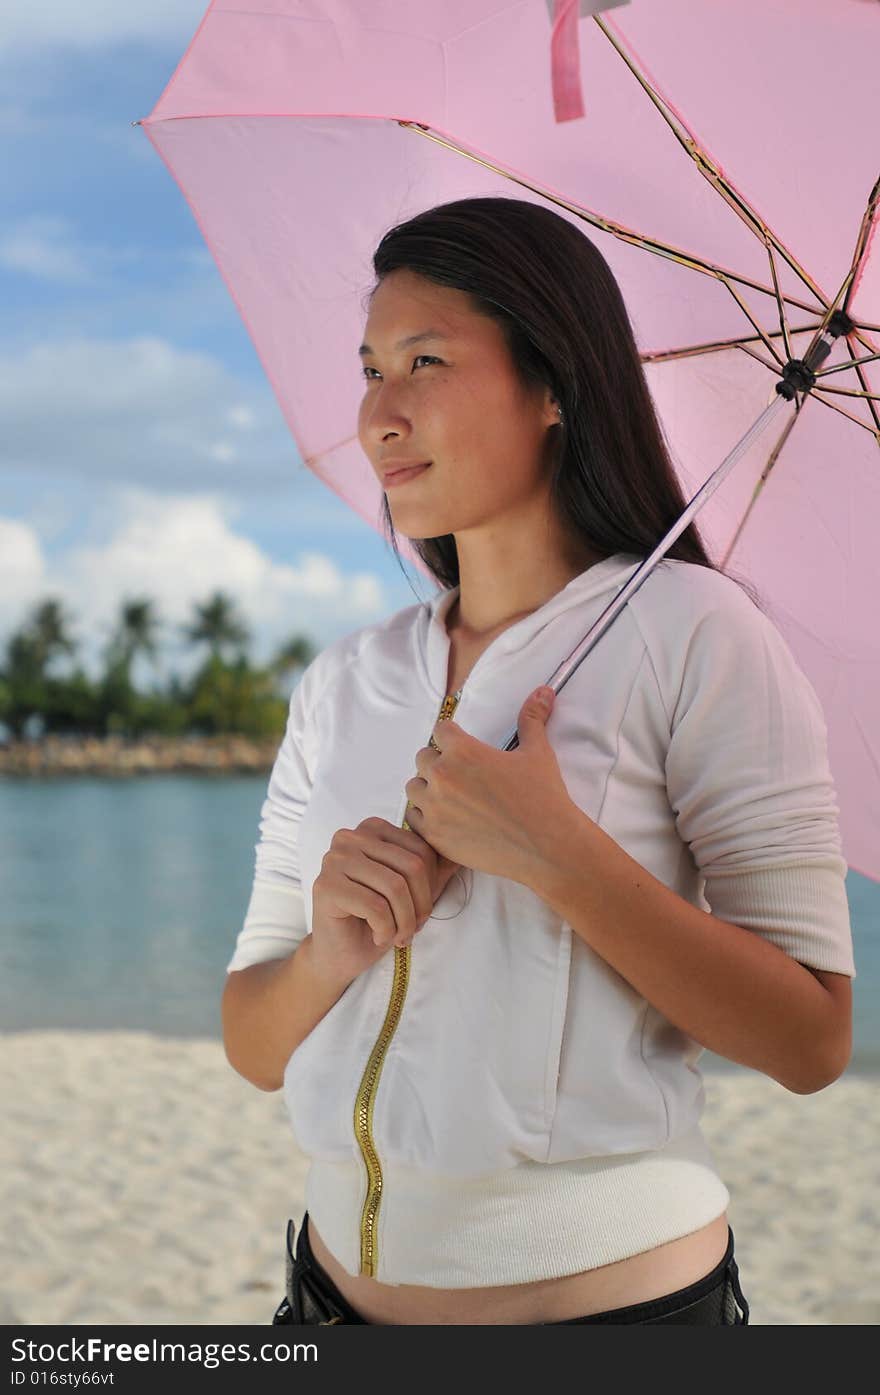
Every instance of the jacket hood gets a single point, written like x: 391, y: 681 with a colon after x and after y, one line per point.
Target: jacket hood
x: 607, y: 576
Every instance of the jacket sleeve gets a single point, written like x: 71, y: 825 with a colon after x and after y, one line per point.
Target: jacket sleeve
x: 275, y: 921
x: 749, y: 782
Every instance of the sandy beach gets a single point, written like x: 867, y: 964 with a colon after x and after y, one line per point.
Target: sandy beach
x: 144, y: 1181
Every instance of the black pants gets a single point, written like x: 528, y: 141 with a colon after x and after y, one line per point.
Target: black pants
x: 716, y: 1300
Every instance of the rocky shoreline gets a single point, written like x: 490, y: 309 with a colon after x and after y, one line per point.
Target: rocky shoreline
x: 148, y: 755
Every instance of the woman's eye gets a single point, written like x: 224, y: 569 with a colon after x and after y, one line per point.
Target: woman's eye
x: 367, y: 370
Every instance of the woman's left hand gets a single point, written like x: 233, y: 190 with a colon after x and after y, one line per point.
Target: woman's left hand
x: 493, y: 811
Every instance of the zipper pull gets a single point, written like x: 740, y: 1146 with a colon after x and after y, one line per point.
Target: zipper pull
x: 449, y: 705
x: 450, y: 702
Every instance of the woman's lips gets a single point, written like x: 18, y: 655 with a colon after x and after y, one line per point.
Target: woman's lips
x: 401, y: 476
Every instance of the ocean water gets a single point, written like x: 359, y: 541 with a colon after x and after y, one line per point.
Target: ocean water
x: 120, y: 902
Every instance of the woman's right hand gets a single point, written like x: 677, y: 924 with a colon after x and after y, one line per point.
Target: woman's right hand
x: 377, y: 886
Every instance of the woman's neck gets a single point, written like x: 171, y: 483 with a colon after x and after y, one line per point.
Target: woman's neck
x: 484, y: 605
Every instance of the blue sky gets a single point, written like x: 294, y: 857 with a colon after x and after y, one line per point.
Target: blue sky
x: 142, y: 452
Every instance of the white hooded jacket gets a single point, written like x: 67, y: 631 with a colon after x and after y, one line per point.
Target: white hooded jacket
x: 532, y: 1114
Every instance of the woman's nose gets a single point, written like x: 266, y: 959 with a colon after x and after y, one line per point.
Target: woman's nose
x: 385, y: 414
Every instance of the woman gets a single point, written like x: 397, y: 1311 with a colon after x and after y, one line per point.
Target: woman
x: 483, y: 977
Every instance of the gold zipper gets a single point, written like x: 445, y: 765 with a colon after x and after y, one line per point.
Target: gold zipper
x: 366, y: 1095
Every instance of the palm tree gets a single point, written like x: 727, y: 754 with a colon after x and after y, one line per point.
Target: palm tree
x: 48, y: 632
x: 24, y: 684
x: 29, y: 651
x: 217, y: 625
x: 135, y: 633
x: 294, y: 654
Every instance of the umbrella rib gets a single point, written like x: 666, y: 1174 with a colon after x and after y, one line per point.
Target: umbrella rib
x: 816, y: 391
x: 816, y: 395
x: 707, y: 168
x: 765, y: 473
x: 774, y: 367
x: 844, y: 291
x: 844, y: 367
x: 648, y: 244
x: 862, y: 238
x: 753, y: 322
x: 717, y: 345
x: 872, y: 397
x: 780, y: 305
x: 852, y: 392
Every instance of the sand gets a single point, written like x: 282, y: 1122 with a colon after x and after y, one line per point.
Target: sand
x: 142, y: 1180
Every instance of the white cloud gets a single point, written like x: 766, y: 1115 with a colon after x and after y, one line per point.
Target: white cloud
x: 138, y: 410
x: 50, y: 515
x: 241, y: 416
x: 22, y: 568
x: 223, y: 451
x: 177, y: 552
x: 98, y: 23
x: 42, y: 247
x: 48, y: 247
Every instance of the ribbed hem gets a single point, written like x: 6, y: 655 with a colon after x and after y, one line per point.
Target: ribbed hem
x: 801, y: 906
x: 534, y: 1221
x: 274, y: 925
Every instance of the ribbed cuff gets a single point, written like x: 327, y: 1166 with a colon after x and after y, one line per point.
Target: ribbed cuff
x: 274, y: 925
x: 801, y: 906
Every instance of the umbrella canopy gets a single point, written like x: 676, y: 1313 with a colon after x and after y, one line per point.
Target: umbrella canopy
x: 725, y: 164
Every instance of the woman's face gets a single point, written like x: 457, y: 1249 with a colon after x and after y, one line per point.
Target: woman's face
x: 454, y: 401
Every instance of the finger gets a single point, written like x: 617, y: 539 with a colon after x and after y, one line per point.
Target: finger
x: 390, y: 844
x: 394, y: 886
x: 394, y: 833
x: 425, y: 758
x: 412, y: 862
x: 353, y: 898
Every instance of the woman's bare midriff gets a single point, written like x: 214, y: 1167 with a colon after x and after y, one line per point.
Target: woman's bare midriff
x: 651, y: 1274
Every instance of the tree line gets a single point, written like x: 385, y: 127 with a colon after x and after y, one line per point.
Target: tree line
x: 226, y: 693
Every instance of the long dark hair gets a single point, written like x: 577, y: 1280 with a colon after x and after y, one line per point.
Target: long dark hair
x: 566, y: 326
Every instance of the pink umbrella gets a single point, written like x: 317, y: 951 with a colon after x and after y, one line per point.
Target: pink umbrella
x: 299, y: 131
